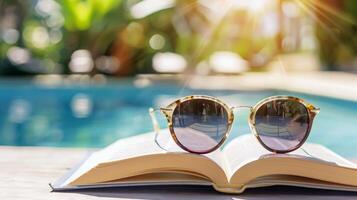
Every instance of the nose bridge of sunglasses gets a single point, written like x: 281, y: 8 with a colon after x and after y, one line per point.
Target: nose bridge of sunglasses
x: 242, y: 107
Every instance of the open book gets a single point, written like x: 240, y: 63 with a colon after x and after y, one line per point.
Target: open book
x: 241, y: 164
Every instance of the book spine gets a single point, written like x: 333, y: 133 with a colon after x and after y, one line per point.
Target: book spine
x: 229, y: 189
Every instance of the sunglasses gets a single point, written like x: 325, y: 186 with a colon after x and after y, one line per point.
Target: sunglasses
x: 201, y: 124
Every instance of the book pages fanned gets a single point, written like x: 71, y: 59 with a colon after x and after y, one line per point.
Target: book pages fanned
x: 243, y: 163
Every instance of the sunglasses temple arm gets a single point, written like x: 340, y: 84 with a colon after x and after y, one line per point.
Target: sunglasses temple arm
x: 156, y: 126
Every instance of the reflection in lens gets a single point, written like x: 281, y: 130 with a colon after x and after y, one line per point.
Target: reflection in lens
x: 282, y: 124
x: 200, y: 124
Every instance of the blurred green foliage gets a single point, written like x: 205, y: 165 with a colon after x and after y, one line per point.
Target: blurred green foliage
x: 81, y: 15
x: 336, y: 32
x: 40, y: 36
x: 96, y: 25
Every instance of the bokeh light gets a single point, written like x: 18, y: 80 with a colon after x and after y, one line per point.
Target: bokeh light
x: 18, y: 56
x: 157, y: 42
x: 227, y: 62
x: 81, y: 105
x: 169, y: 62
x: 81, y: 61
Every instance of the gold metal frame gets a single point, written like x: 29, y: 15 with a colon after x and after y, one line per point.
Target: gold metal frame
x: 169, y: 110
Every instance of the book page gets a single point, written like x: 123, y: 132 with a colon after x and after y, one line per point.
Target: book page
x: 299, y: 182
x: 141, y: 145
x: 144, y: 144
x: 246, y: 148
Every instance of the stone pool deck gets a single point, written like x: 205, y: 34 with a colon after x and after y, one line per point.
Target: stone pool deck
x: 26, y: 171
x: 331, y: 84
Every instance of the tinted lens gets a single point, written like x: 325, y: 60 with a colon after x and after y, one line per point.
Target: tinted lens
x: 200, y: 124
x: 282, y: 124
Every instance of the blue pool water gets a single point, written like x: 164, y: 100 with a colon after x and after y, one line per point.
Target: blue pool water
x: 95, y: 116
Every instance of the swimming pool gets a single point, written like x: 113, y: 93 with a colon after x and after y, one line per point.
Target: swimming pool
x: 95, y: 116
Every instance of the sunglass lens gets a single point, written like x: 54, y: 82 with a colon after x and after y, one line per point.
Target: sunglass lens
x: 200, y: 124
x: 282, y: 125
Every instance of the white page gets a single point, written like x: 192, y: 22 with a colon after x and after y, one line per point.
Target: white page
x: 140, y: 145
x: 246, y: 148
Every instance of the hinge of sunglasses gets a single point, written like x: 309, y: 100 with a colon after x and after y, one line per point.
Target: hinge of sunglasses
x: 315, y: 110
x: 166, y: 111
